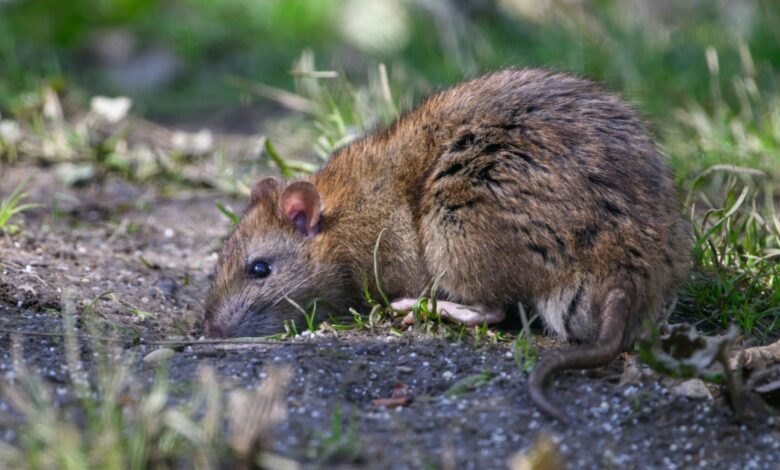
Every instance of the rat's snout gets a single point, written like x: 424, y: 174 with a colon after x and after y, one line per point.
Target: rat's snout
x: 216, y: 323
x: 230, y: 318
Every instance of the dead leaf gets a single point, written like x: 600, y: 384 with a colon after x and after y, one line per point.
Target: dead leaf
x: 159, y: 355
x: 632, y: 371
x: 401, y: 396
x: 29, y: 289
x: 542, y: 455
x: 760, y: 357
x: 681, y: 351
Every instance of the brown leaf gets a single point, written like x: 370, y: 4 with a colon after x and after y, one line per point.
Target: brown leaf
x: 543, y: 454
x: 401, y: 396
x: 762, y: 357
x: 632, y: 371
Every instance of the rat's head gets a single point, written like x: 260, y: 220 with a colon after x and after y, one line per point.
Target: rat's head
x: 269, y: 262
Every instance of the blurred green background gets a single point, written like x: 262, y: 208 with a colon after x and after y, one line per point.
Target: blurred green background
x: 175, y: 58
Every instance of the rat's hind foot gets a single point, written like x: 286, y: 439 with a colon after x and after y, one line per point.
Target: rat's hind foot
x: 454, y: 312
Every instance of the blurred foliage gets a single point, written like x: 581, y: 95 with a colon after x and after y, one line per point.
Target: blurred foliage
x: 176, y: 56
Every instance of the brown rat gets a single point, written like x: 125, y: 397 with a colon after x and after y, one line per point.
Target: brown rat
x: 520, y: 186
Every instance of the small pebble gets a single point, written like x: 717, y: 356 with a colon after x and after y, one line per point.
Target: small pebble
x: 159, y: 355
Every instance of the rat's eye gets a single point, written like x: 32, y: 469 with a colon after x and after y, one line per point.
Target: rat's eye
x: 259, y: 269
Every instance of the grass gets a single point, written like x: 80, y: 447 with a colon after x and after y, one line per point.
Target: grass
x: 309, y: 315
x: 11, y: 207
x: 524, y: 350
x: 737, y: 249
x: 469, y: 384
x: 338, y: 444
x: 115, y: 421
x: 728, y: 158
x: 744, y: 134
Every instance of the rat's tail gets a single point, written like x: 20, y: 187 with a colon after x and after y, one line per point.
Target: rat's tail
x: 614, y: 317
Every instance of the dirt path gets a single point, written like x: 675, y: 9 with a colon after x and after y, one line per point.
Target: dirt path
x: 124, y: 251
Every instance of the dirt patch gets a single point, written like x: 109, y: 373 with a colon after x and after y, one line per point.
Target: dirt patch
x: 141, y: 260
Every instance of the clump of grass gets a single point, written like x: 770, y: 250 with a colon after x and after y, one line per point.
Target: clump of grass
x: 309, y: 315
x: 728, y: 157
x: 13, y: 206
x: 336, y: 110
x: 115, y: 423
x: 745, y: 134
x: 737, y: 251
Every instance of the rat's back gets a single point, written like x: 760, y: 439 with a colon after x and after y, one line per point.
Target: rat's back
x: 544, y: 190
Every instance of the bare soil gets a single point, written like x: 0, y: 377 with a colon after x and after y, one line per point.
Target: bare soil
x: 119, y: 250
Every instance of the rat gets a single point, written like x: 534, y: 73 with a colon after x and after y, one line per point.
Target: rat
x: 522, y: 186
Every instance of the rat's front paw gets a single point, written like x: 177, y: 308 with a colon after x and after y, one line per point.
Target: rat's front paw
x: 454, y: 312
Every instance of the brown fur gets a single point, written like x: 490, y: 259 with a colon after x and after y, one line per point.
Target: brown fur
x: 520, y: 186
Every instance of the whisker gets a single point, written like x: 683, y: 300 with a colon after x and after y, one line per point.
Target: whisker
x: 284, y: 294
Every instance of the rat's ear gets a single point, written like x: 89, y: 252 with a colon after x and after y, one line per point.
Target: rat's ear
x: 300, y: 203
x: 261, y: 188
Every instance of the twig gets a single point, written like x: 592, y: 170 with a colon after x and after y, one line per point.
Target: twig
x: 56, y: 335
x: 165, y: 342
x: 186, y: 342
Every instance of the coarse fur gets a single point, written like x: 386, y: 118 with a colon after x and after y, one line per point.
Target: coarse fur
x: 519, y: 186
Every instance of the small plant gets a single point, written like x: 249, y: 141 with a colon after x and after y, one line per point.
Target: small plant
x: 12, y: 206
x: 232, y: 216
x: 469, y: 383
x: 290, y: 329
x: 309, y: 317
x: 481, y: 333
x: 288, y: 168
x: 424, y: 310
x: 524, y: 350
x: 339, y: 444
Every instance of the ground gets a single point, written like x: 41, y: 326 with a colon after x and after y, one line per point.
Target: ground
x: 136, y: 257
